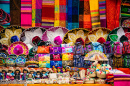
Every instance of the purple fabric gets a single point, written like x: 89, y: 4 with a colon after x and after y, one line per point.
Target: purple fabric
x: 121, y: 76
x: 55, y: 50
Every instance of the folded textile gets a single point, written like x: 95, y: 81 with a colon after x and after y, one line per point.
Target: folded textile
x: 121, y: 78
x: 121, y: 83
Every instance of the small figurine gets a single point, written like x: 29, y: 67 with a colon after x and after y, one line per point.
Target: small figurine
x: 68, y: 69
x: 50, y: 71
x: 25, y: 73
x: 54, y: 69
x: 38, y: 74
x: 10, y: 74
x: 58, y: 70
x: 75, y: 73
x: 45, y: 73
x: 4, y: 73
x: 63, y: 70
x: 30, y: 77
x: 0, y: 74
x: 17, y: 74
x: 32, y: 71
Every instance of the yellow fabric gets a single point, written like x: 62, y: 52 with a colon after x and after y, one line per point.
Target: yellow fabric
x: 93, y: 5
x: 56, y: 85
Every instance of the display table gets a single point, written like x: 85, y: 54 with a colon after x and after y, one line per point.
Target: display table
x: 56, y: 84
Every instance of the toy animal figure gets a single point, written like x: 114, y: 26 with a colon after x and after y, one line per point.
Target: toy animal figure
x: 32, y: 71
x: 45, y: 73
x: 10, y: 74
x: 25, y: 73
x: 17, y: 74
x: 38, y: 74
x: 4, y: 73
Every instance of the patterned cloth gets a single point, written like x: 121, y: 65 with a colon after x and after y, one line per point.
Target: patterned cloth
x: 125, y: 13
x: 60, y: 13
x: 73, y: 14
x: 81, y: 12
x: 5, y: 5
x: 33, y: 12
x: 102, y: 10
x: 38, y: 15
x: 48, y: 13
x: 113, y: 12
x: 15, y: 6
x: 94, y: 9
x: 26, y: 13
x: 87, y: 16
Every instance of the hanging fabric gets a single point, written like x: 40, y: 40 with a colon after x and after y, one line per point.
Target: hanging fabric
x: 26, y: 13
x: 15, y: 11
x: 48, y: 13
x: 33, y: 12
x: 87, y: 16
x: 81, y: 12
x: 102, y: 11
x: 94, y: 10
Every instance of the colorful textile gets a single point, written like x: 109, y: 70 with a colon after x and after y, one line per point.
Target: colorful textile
x: 26, y: 13
x: 15, y: 6
x: 94, y: 10
x: 73, y: 14
x: 81, y: 12
x: 33, y: 12
x: 121, y: 83
x: 113, y: 12
x: 60, y: 13
x: 87, y: 16
x: 5, y: 5
x: 125, y: 7
x: 38, y: 15
x: 47, y: 13
x: 102, y: 11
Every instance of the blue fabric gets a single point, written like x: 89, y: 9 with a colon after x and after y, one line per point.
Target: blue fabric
x: 56, y: 64
x: 14, y: 39
x: 97, y: 46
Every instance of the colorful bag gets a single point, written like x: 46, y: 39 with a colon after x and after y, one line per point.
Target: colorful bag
x: 55, y: 50
x: 67, y: 56
x: 56, y: 64
x: 97, y: 46
x: 126, y: 58
x: 107, y: 48
x: 78, y: 61
x: 126, y: 47
x: 44, y: 57
x: 67, y: 49
x: 78, y: 49
x: 45, y: 64
x: 67, y: 63
x: 43, y: 49
x: 118, y: 49
x: 88, y: 48
x: 117, y: 62
x: 56, y: 57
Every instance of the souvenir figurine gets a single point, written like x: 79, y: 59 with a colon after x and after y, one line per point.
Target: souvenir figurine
x: 75, y: 73
x: 30, y: 77
x: 58, y: 70
x: 63, y: 70
x: 50, y: 71
x: 17, y: 73
x: 10, y: 74
x: 25, y: 73
x: 38, y: 74
x: 0, y: 74
x: 54, y: 69
x: 32, y: 71
x: 4, y: 73
x: 68, y: 69
x: 45, y: 73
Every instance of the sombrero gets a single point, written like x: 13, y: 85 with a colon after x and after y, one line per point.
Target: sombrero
x: 32, y: 33
x: 72, y: 36
x: 4, y: 17
x: 3, y: 55
x: 20, y: 61
x: 95, y: 55
x: 119, y: 34
x: 10, y: 61
x: 55, y: 35
x: 126, y: 23
x: 33, y: 64
x: 11, y: 68
x: 18, y: 48
x: 97, y: 35
x: 10, y: 34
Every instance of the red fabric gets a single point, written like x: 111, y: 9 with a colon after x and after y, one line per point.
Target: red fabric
x: 101, y: 40
x: 125, y: 70
x: 113, y: 12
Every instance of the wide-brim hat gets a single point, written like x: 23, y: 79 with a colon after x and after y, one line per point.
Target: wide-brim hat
x: 18, y: 48
x: 55, y: 35
x: 97, y: 35
x: 4, y: 68
x: 17, y: 68
x: 10, y: 34
x: 25, y: 68
x: 32, y: 69
x: 11, y: 68
x: 74, y: 34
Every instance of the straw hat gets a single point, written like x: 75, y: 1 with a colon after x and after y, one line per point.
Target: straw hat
x: 25, y: 68
x: 3, y: 68
x: 32, y: 69
x: 11, y: 68
x: 38, y: 70
x: 17, y: 68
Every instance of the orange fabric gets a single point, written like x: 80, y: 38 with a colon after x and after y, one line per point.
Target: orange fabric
x: 56, y: 85
x: 43, y: 49
x: 125, y: 70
